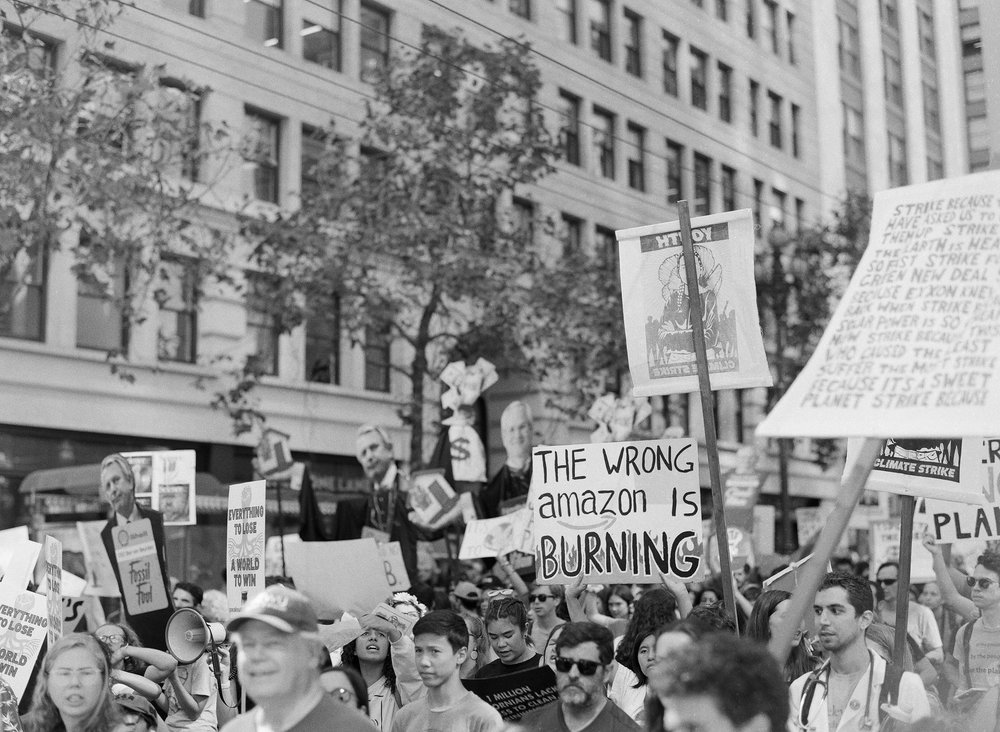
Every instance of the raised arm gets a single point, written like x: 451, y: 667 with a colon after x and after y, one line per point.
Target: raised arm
x: 953, y: 599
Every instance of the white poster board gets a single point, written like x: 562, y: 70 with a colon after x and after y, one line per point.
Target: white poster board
x: 245, y: 524
x: 657, y: 310
x: 165, y: 481
x: 914, y: 346
x: 952, y: 521
x: 391, y: 554
x: 885, y: 548
x: 100, y: 574
x: 338, y: 576
x: 617, y: 512
x: 23, y: 625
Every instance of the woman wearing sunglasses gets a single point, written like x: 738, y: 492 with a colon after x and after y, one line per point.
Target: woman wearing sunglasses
x: 507, y: 629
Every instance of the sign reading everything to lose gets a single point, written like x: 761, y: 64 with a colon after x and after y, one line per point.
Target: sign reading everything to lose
x: 616, y: 512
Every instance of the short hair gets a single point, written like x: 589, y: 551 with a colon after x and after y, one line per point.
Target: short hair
x: 197, y: 594
x: 507, y: 608
x: 575, y: 634
x: 884, y: 565
x: 509, y: 409
x: 990, y: 560
x: 740, y: 675
x: 858, y: 593
x: 447, y: 624
x: 116, y: 458
x: 380, y: 431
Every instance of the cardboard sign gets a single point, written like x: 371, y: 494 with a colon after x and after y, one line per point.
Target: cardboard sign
x: 953, y: 521
x: 403, y: 623
x: 809, y: 521
x: 617, y: 512
x: 53, y: 593
x: 914, y: 346
x: 763, y: 529
x: 338, y: 576
x: 514, y: 695
x: 23, y: 625
x: 11, y: 539
x: 19, y: 556
x: 273, y: 452
x: 872, y: 506
x: 885, y: 547
x: 941, y: 468
x: 391, y: 554
x: 100, y: 575
x: 73, y: 599
x: 143, y: 586
x: 658, y: 326
x: 246, y: 520
x: 165, y: 480
x: 430, y: 496
x: 488, y: 538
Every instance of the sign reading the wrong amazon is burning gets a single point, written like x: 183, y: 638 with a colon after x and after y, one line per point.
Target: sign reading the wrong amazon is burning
x: 617, y: 511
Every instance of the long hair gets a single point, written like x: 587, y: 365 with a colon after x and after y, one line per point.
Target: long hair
x: 349, y: 657
x: 44, y: 716
x: 800, y: 660
x: 132, y: 665
x: 654, y: 609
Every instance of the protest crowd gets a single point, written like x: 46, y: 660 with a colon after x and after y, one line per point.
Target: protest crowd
x: 482, y: 644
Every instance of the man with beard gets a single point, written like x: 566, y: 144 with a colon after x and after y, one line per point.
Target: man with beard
x: 584, y: 653
x: 846, y: 692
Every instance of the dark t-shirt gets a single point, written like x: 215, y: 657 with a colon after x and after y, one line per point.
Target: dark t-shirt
x: 498, y: 668
x: 327, y: 716
x: 550, y: 718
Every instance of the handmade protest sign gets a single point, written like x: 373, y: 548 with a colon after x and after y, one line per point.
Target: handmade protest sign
x: 53, y: 593
x: 23, y: 624
x: 431, y: 498
x: 18, y: 554
x: 338, y: 576
x: 658, y: 326
x: 514, y: 695
x: 396, y: 575
x: 165, y: 480
x: 488, y: 538
x: 953, y: 521
x: 914, y: 346
x: 100, y: 574
x: 273, y: 452
x: 885, y: 547
x: 143, y: 589
x: 245, y: 523
x: 401, y: 621
x: 617, y: 511
x: 942, y: 468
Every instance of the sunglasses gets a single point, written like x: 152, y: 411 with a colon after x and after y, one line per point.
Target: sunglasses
x: 983, y: 582
x: 586, y: 668
x: 540, y: 598
x: 499, y: 593
x: 886, y: 582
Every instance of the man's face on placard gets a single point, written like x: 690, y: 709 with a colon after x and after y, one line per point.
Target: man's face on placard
x: 374, y: 455
x: 516, y: 432
x: 118, y: 489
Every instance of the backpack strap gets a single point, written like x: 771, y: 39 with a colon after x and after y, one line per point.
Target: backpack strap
x: 966, y: 642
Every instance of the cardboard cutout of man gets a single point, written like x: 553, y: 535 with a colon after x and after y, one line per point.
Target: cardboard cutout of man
x: 507, y: 491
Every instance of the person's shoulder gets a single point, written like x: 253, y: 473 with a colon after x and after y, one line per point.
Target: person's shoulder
x: 619, y: 718
x: 408, y: 715
x: 543, y: 718
x: 479, y: 707
x: 242, y: 723
x: 331, y: 714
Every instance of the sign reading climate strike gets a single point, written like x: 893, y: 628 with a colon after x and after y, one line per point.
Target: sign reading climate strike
x: 617, y: 512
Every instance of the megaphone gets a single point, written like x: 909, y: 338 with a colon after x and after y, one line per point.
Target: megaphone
x: 188, y: 635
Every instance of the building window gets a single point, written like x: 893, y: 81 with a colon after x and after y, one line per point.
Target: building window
x: 925, y: 23
x: 37, y: 55
x: 606, y: 247
x: 100, y: 323
x: 22, y: 296
x: 854, y: 136
x: 893, y: 79
x: 520, y: 8
x: 898, y: 172
x: 754, y: 108
x: 262, y: 325
x: 600, y: 28
x: 670, y: 46
x: 374, y: 42
x: 604, y: 141
x: 261, y: 154
x: 932, y: 108
x: 321, y: 36
x: 323, y: 346
x: 633, y: 43
x: 377, y: 358
x: 889, y: 12
x: 935, y: 169
x: 778, y: 214
x: 191, y: 7
x: 675, y: 159
x: 699, y: 78
x: 774, y: 125
x: 524, y: 219
x: 770, y: 25
x: 728, y: 188
x: 790, y: 23
x: 182, y: 153
x: 177, y: 318
x: 725, y: 93
x: 848, y: 48
x: 313, y: 149
x: 751, y: 18
x: 722, y: 10
x: 796, y: 130
x: 800, y: 215
x: 572, y: 235
x: 636, y: 157
x: 702, y: 185
x: 758, y: 201
x: 263, y: 21
x: 567, y: 8
x: 570, y: 127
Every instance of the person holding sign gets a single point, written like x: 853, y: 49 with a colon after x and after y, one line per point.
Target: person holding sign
x: 977, y: 643
x: 142, y: 577
x: 441, y: 641
x: 584, y: 653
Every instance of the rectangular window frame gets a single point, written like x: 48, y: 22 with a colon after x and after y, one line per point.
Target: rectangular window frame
x: 266, y: 168
x: 184, y: 311
x: 699, y: 78
x: 322, y: 41
x: 633, y: 43
x: 675, y: 171
x: 376, y: 26
x: 604, y: 142
x: 725, y: 77
x: 671, y: 74
x: 636, y: 156
x: 702, y: 203
x: 322, y: 347
x: 599, y: 21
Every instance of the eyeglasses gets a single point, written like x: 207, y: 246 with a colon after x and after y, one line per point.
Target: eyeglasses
x: 499, y: 593
x: 586, y: 668
x: 112, y: 640
x: 344, y: 696
x: 540, y: 598
x: 886, y: 582
x: 85, y: 675
x: 983, y: 582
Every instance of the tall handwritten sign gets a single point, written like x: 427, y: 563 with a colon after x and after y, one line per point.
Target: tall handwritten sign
x: 245, y: 543
x: 53, y: 573
x: 143, y: 588
x: 23, y: 623
x: 617, y: 512
x: 914, y: 347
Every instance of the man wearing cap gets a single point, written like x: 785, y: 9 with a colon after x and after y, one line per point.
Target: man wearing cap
x: 465, y: 599
x: 279, y: 657
x: 138, y: 714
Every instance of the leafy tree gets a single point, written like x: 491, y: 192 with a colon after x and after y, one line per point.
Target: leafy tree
x: 101, y: 159
x: 407, y: 225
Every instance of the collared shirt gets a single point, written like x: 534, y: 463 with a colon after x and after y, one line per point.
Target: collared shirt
x: 132, y: 517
